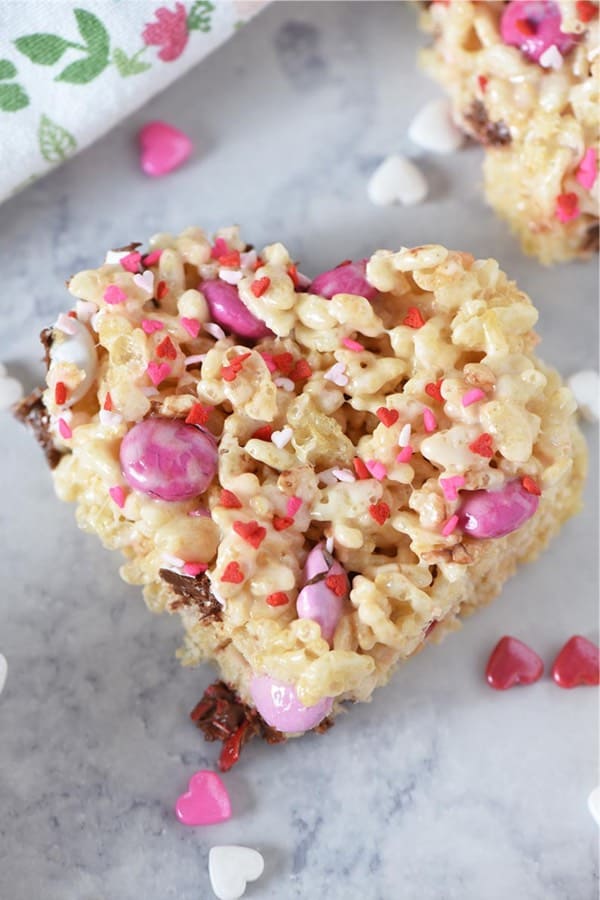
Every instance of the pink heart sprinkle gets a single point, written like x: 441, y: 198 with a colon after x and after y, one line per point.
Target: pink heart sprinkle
x: 114, y: 294
x: 64, y: 429
x: 152, y: 325
x: 376, y: 469
x: 118, y: 495
x: 405, y: 454
x: 206, y: 802
x: 219, y: 248
x: 472, y: 396
x: 588, y: 169
x: 163, y: 148
x: 450, y: 485
x: 429, y: 420
x: 158, y: 372
x: 194, y: 569
x: 192, y: 326
x: 152, y: 258
x: 293, y: 505
x: 131, y: 262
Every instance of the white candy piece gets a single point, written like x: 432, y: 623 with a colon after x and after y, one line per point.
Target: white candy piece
x: 397, y: 180
x: 11, y: 390
x: 433, y: 128
x: 586, y: 389
x: 79, y: 350
x: 551, y: 58
x: 231, y: 867
x: 3, y: 671
x: 145, y: 281
x: 282, y: 438
x: 594, y: 804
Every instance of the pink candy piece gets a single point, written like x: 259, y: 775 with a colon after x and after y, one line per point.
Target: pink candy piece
x: 534, y: 27
x: 353, y: 345
x: 316, y: 601
x: 376, y: 469
x: 118, y: 495
x: 588, y: 169
x: 194, y: 569
x: 429, y: 420
x: 162, y: 148
x: 349, y: 278
x: 472, y: 396
x: 227, y: 309
x: 280, y: 707
x: 206, y: 801
x: 152, y: 258
x: 491, y: 514
x: 149, y: 326
x: 167, y: 459
x: 65, y: 429
x: 131, y: 262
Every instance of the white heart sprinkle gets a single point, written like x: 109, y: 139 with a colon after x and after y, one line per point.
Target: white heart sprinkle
x: 231, y: 867
x: 433, y: 128
x: 3, y: 671
x: 11, y: 391
x: 586, y: 389
x: 594, y: 804
x: 397, y: 180
x: 231, y: 276
x: 145, y: 281
x: 551, y: 58
x: 337, y: 374
x: 283, y: 437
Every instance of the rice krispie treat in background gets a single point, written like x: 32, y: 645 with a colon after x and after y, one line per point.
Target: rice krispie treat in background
x: 523, y: 79
x: 317, y: 476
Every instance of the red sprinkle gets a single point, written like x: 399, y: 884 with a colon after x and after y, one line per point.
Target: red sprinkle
x: 567, y: 207
x: 108, y: 404
x: 526, y: 27
x: 257, y: 265
x: 60, y: 392
x: 359, y: 467
x: 380, y: 512
x: 284, y: 362
x: 293, y: 273
x: 279, y: 598
x: 586, y: 11
x: 230, y: 260
x: 162, y: 289
x: 166, y: 348
x: 263, y: 433
x: 259, y: 286
x: 344, y: 262
x: 413, y: 318
x: 301, y: 370
x: 337, y: 584
x: 280, y: 523
x: 230, y: 752
x: 230, y: 372
x: 434, y: 389
x: 232, y: 573
x: 229, y: 500
x: 482, y: 445
x: 387, y: 417
x: 253, y: 533
x: 482, y: 81
x: 198, y: 414
x: 530, y: 485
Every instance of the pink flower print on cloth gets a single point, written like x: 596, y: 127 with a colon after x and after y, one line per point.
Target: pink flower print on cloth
x: 169, y: 32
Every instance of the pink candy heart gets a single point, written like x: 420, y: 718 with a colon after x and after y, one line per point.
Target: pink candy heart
x: 206, y: 801
x: 162, y: 148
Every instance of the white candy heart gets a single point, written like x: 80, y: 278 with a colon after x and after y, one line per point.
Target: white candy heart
x: 433, y: 128
x: 11, y: 390
x: 231, y: 867
x: 3, y: 671
x: 586, y: 388
x: 283, y: 437
x: 551, y: 58
x: 594, y: 804
x: 145, y: 281
x: 397, y: 180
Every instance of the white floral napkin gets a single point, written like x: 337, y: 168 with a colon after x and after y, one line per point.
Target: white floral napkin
x: 69, y: 71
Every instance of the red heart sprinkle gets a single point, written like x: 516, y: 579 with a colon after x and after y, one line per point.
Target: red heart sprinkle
x: 434, y: 389
x: 413, y: 318
x: 530, y: 485
x: 230, y: 260
x: 263, y: 433
x: 482, y: 445
x: 166, y: 348
x: 284, y: 362
x: 259, y: 286
x: 108, y: 405
x: 512, y: 662
x: 387, y: 417
x: 586, y: 10
x: 361, y: 470
x: 162, y: 289
x: 232, y: 573
x: 198, y: 414
x: 229, y: 500
x: 279, y: 598
x: 337, y: 584
x: 577, y: 663
x: 253, y: 533
x: 301, y: 370
x: 380, y: 512
x: 280, y: 523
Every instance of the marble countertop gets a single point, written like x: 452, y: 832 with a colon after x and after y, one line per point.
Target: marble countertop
x: 440, y: 788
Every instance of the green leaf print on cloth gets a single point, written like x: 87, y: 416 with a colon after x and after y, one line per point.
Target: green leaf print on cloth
x: 47, y: 49
x: 43, y: 49
x: 199, y: 16
x: 12, y: 96
x: 56, y: 143
x: 129, y: 65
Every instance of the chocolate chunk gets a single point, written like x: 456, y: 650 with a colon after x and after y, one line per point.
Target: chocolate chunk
x: 591, y: 240
x: 47, y: 339
x: 32, y: 412
x: 194, y: 591
x: 493, y: 134
x: 222, y: 716
x: 129, y: 248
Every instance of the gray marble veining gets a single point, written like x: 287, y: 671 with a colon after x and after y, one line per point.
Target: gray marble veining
x: 440, y: 789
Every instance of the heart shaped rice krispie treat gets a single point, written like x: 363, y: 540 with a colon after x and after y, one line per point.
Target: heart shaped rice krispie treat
x: 523, y: 78
x: 316, y: 475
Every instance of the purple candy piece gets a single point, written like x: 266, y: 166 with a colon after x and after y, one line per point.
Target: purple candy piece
x: 316, y: 601
x: 542, y: 18
x: 349, y: 278
x: 278, y: 704
x: 230, y: 312
x: 491, y: 514
x: 167, y: 459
